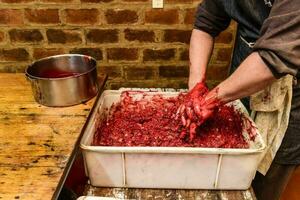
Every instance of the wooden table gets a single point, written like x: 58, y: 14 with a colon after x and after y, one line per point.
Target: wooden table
x: 36, y: 142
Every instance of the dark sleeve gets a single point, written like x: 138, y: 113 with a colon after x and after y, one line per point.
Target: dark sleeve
x: 211, y: 17
x: 279, y: 42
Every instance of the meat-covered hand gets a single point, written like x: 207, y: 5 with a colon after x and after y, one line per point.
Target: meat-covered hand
x: 199, y: 104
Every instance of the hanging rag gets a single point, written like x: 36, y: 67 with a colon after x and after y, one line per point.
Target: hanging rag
x: 271, y: 110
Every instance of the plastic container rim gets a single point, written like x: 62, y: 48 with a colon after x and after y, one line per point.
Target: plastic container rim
x: 62, y: 78
x: 168, y: 150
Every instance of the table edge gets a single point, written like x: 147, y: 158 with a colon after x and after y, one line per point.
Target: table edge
x: 76, y: 147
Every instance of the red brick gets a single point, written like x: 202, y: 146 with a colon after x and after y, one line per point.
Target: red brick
x: 224, y: 54
x: 24, y: 36
x: 162, y: 16
x: 12, y: 68
x: 63, y: 36
x: 102, y: 36
x: 162, y: 83
x: 82, y: 16
x: 129, y: 54
x: 225, y: 37
x: 93, y: 52
x: 184, y: 55
x: 42, y: 16
x: 11, y: 17
x: 39, y: 53
x: 121, y: 16
x: 180, y: 84
x: 189, y: 17
x: 176, y: 83
x: 139, y: 35
x: 111, y: 71
x: 150, y: 83
x: 96, y: 1
x: 182, y: 36
x: 137, y: 73
x: 115, y: 85
x: 135, y: 84
x: 18, y: 54
x: 173, y: 71
x: 161, y: 54
x: 217, y: 73
x: 2, y: 36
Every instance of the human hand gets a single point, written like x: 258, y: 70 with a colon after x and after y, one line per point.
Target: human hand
x: 199, y: 105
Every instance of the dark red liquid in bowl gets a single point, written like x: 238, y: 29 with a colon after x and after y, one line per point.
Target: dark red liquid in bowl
x: 53, y: 73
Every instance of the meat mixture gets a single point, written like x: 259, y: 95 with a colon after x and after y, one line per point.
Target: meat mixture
x: 152, y: 121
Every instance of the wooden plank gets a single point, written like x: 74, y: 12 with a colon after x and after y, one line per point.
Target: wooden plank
x: 24, y: 108
x: 46, y: 139
x: 35, y: 141
x: 28, y: 182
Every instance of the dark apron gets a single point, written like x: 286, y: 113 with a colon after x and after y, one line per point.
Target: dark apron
x: 289, y: 151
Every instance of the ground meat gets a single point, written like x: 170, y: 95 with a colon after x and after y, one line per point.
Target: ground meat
x: 152, y: 122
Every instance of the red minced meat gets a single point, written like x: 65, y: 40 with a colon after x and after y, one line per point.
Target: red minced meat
x: 152, y: 122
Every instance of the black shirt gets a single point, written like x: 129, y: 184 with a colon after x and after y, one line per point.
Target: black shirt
x: 275, y: 29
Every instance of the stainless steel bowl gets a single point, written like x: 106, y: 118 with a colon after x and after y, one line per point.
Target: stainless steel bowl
x: 63, y: 80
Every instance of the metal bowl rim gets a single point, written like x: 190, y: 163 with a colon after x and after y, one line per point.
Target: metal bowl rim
x: 56, y: 56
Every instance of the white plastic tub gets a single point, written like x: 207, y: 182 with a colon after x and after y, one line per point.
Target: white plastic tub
x: 167, y: 167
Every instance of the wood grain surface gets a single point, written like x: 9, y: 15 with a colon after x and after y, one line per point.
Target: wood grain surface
x: 35, y: 141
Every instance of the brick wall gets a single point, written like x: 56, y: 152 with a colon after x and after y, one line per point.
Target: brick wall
x: 137, y: 46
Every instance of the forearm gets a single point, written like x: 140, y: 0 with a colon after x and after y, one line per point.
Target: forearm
x: 251, y: 76
x: 201, y: 47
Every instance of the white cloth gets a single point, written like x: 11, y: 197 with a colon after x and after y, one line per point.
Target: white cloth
x: 272, y: 110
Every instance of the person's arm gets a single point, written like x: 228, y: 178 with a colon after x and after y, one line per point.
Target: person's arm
x: 279, y: 41
x: 251, y: 76
x: 210, y: 20
x: 275, y: 54
x: 201, y: 47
